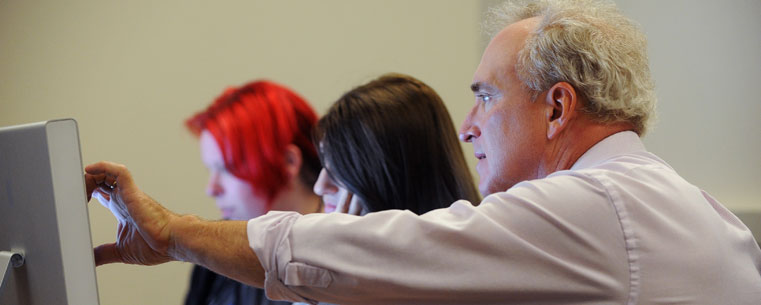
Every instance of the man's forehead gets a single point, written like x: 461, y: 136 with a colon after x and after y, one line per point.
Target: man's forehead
x: 513, y: 37
x: 500, y: 55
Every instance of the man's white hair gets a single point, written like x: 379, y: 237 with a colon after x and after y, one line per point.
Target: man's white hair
x: 591, y: 45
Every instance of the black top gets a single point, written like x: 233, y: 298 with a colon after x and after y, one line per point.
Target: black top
x: 209, y: 288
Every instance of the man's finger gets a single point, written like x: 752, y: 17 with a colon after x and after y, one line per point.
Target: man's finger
x: 106, y: 254
x: 92, y: 182
x: 109, y: 169
x: 102, y: 195
x: 113, y: 173
x: 90, y: 186
x: 101, y: 167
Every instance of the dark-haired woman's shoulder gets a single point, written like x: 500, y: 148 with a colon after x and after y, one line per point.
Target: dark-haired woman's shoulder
x: 210, y: 288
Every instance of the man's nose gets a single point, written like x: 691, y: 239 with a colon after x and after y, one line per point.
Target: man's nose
x: 324, y: 184
x: 469, y: 130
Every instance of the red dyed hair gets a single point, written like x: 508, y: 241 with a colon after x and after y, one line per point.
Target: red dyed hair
x: 252, y: 125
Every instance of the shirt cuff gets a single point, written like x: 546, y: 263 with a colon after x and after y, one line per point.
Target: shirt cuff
x: 268, y: 237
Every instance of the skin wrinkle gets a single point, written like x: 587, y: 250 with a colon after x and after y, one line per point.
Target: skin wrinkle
x: 523, y: 136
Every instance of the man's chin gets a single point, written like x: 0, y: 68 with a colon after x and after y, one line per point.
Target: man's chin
x: 487, y: 187
x: 483, y: 188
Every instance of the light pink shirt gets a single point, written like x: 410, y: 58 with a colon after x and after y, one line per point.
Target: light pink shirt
x: 620, y: 227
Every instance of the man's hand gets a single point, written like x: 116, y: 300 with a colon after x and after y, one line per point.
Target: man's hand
x: 143, y: 235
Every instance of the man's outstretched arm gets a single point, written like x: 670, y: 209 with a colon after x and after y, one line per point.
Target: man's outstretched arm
x: 149, y: 234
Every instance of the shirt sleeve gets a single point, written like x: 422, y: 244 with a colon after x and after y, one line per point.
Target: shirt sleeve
x: 552, y: 239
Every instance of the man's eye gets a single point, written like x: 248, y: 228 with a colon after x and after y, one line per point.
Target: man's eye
x: 485, y: 98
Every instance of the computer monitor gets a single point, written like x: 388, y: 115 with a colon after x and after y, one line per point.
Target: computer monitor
x: 43, y: 216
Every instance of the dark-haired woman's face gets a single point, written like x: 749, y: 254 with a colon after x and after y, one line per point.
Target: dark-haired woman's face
x: 336, y: 197
x: 333, y: 194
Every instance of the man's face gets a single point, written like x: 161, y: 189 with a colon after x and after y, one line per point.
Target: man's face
x: 505, y: 126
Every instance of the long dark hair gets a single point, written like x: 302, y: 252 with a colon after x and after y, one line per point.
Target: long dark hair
x: 392, y: 143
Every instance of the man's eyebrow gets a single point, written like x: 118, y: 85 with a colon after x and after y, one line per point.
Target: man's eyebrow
x: 479, y: 86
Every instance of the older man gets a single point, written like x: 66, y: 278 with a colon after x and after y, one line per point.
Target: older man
x: 579, y: 211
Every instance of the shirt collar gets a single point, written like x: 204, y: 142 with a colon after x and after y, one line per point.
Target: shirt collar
x: 614, y: 145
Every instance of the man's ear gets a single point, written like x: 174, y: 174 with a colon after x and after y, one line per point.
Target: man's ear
x: 292, y: 161
x: 561, y: 101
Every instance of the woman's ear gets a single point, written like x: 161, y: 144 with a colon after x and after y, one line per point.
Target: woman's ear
x: 292, y: 161
x: 561, y: 101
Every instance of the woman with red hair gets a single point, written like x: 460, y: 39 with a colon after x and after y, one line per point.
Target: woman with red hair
x: 256, y: 142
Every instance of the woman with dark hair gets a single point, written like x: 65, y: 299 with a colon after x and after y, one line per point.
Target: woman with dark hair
x: 391, y: 144
x: 256, y: 142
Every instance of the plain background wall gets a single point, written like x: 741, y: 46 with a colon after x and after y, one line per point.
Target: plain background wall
x: 706, y: 59
x: 131, y: 72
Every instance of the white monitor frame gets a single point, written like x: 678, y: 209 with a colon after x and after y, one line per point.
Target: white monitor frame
x: 43, y: 216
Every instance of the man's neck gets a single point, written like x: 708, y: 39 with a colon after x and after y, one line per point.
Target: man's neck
x: 576, y: 140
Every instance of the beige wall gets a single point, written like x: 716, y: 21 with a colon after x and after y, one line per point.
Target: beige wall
x: 705, y: 58
x: 130, y: 72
